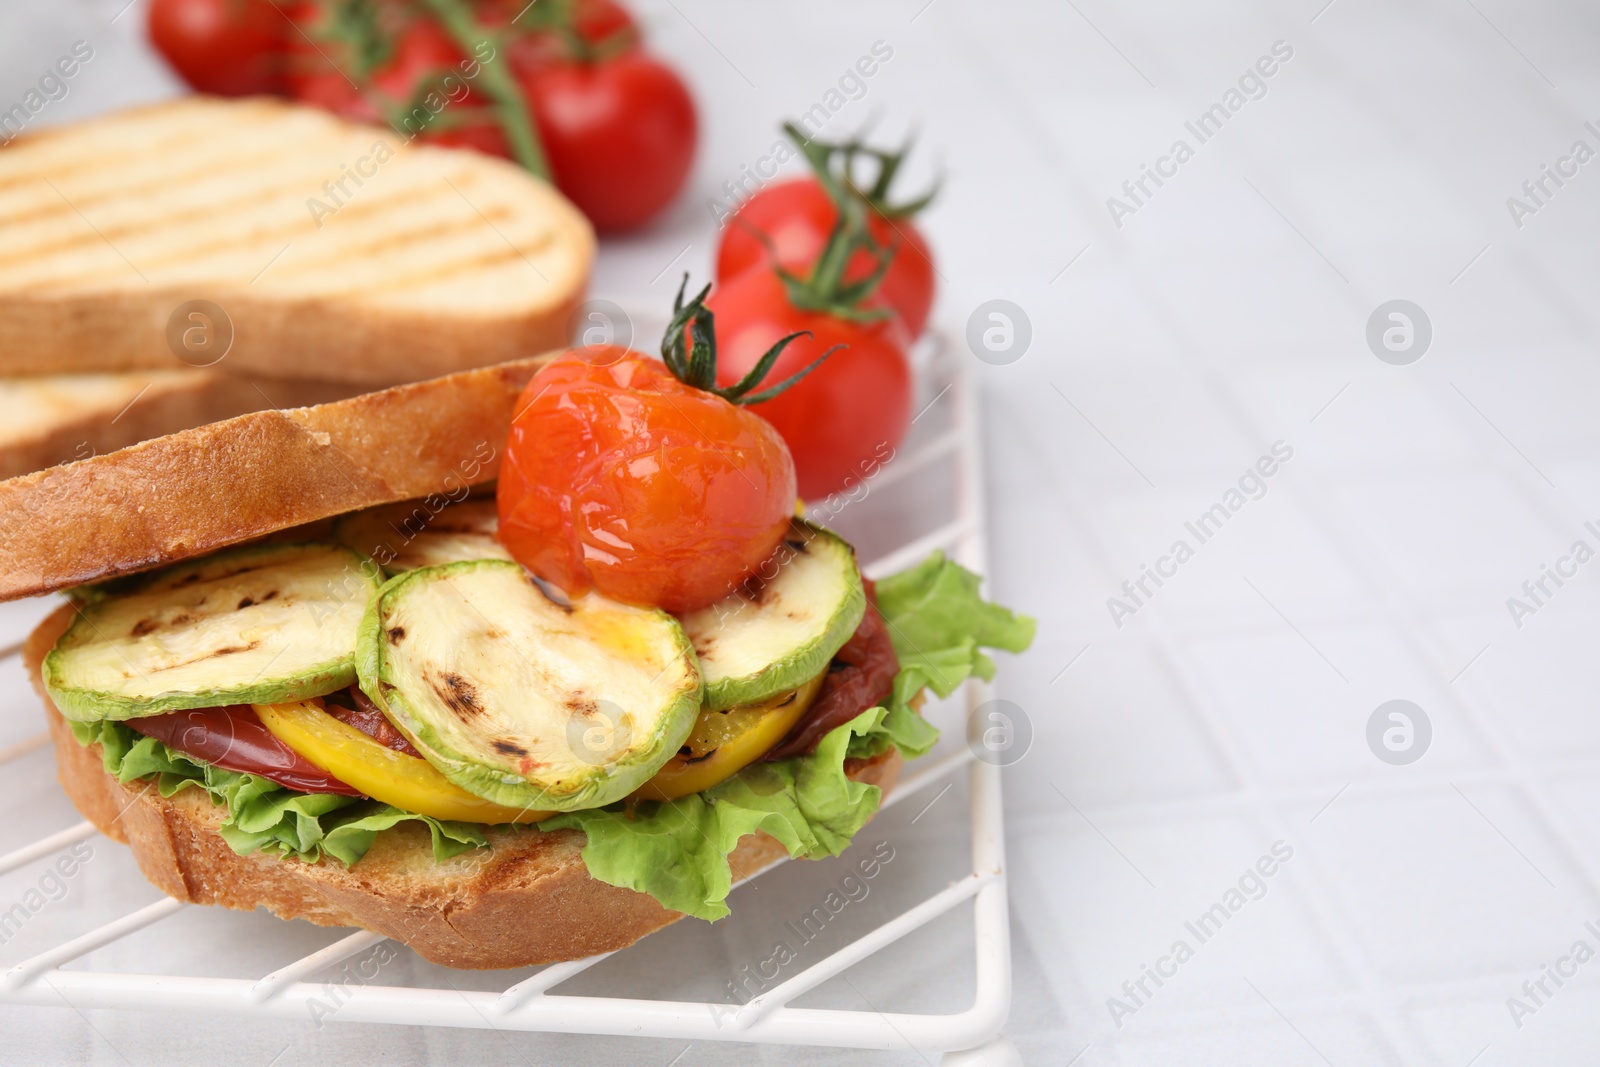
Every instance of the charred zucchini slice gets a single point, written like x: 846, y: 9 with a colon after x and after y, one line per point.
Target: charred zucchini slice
x: 522, y: 699
x: 782, y: 626
x: 264, y: 624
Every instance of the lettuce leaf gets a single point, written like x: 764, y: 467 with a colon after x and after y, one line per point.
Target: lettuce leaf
x: 937, y: 622
x: 262, y: 815
x: 938, y: 619
x: 677, y: 851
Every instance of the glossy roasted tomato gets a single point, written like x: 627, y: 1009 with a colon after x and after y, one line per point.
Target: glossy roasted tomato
x: 843, y: 419
x: 797, y: 216
x: 234, y: 739
x: 227, y: 47
x: 619, y: 134
x: 620, y: 478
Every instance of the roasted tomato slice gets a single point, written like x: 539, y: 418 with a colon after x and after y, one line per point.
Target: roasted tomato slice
x: 861, y: 676
x: 354, y: 708
x: 234, y: 739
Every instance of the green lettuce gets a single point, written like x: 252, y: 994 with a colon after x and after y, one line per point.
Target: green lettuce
x: 676, y: 851
x: 938, y: 622
x: 262, y: 815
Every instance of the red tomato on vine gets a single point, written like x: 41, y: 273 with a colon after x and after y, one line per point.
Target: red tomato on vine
x: 226, y: 47
x: 817, y: 257
x: 846, y: 418
x: 561, y: 87
x: 790, y: 223
x: 620, y: 134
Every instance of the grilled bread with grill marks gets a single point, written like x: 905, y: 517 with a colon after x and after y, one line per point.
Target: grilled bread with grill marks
x: 337, y: 251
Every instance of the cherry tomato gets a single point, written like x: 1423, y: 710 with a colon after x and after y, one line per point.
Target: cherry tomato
x: 844, y: 418
x: 328, y: 70
x: 234, y: 739
x: 619, y: 133
x: 620, y: 478
x: 409, y: 79
x: 597, y: 23
x: 797, y: 216
x: 227, y: 47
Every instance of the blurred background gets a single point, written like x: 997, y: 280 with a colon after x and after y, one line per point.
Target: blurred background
x: 1341, y: 346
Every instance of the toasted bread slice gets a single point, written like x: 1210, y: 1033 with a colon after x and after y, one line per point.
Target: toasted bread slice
x: 338, y: 252
x: 529, y: 900
x: 190, y: 493
x: 62, y: 417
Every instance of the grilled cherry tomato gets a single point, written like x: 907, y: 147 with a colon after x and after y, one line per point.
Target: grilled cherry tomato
x: 621, y: 478
x: 796, y: 218
x: 227, y: 47
x: 846, y: 417
x: 407, y: 782
x: 234, y: 739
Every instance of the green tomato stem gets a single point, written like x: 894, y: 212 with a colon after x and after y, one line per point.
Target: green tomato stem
x: 511, y: 108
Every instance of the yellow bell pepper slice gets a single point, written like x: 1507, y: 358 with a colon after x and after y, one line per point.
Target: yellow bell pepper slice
x: 725, y: 742
x: 407, y: 782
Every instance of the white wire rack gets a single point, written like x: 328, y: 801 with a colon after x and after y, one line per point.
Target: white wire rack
x: 967, y: 1037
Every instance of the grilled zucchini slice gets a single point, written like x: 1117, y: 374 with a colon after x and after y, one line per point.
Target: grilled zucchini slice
x: 783, y: 626
x: 265, y: 624
x: 522, y: 699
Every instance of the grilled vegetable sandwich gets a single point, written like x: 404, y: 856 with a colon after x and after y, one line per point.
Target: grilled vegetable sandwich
x: 514, y: 665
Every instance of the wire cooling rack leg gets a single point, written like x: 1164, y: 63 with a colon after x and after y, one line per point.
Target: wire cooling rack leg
x: 998, y: 1052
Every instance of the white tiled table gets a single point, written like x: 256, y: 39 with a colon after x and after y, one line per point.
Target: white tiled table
x: 1226, y: 314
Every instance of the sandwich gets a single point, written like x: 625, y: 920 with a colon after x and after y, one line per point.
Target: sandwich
x: 310, y: 248
x: 514, y: 665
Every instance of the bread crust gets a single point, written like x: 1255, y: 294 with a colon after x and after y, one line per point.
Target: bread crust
x: 528, y: 901
x: 161, y: 403
x: 190, y: 493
